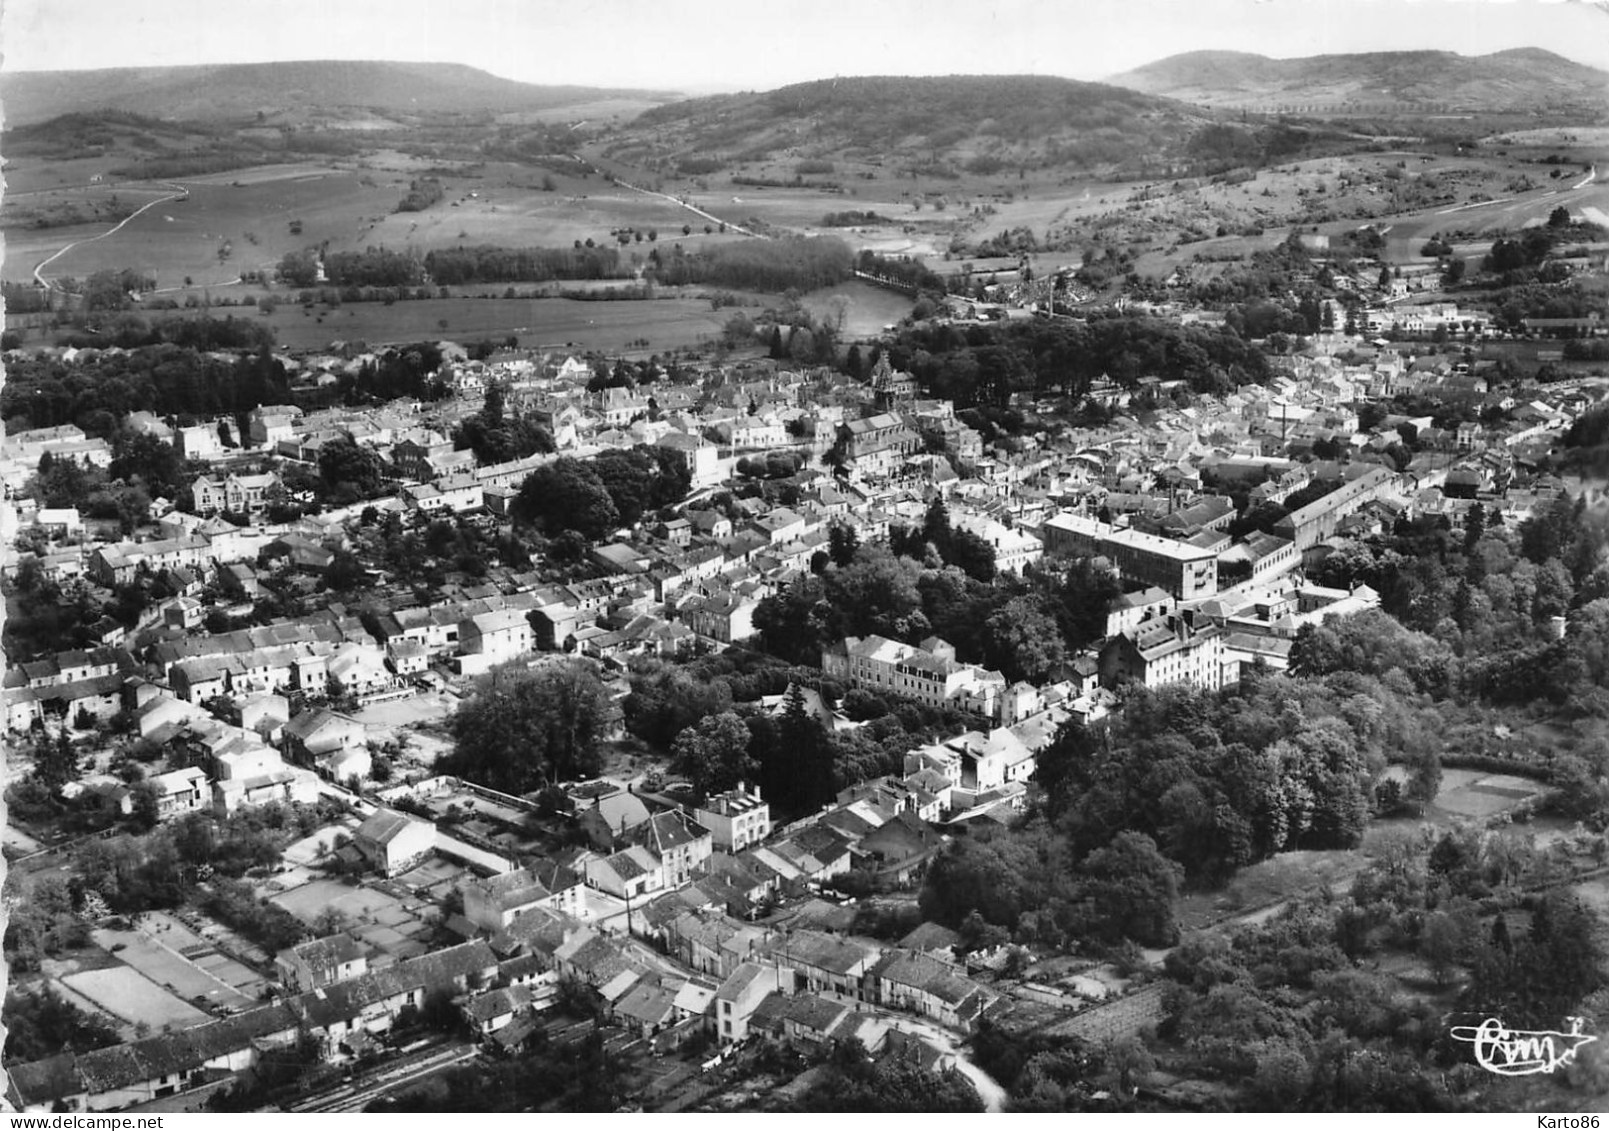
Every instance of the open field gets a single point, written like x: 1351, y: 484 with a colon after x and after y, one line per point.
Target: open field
x: 666, y: 323
x: 202, y: 951
x: 346, y: 206
x: 382, y: 718
x: 1283, y: 877
x: 1475, y: 793
x: 310, y: 900
x: 867, y: 308
x: 125, y: 992
x: 1595, y: 895
x: 173, y: 970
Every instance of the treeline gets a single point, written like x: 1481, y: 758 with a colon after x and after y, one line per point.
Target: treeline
x: 486, y: 263
x: 374, y: 267
x: 1511, y: 305
x: 852, y: 219
x: 800, y: 263
x: 43, y: 392
x: 190, y: 381
x: 371, y: 267
x: 25, y: 298
x: 985, y: 364
x: 903, y: 269
x: 797, y: 182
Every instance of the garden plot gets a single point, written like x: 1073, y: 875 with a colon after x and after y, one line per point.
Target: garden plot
x: 130, y: 995
x: 202, y: 951
x: 373, y: 916
x: 172, y: 969
x: 1474, y: 794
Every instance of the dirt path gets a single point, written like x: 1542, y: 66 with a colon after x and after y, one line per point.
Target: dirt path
x: 179, y: 193
x: 697, y: 211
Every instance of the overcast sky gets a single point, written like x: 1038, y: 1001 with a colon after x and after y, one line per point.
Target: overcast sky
x: 761, y: 44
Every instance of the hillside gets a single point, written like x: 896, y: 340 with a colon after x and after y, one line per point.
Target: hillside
x: 1521, y: 80
x: 934, y: 126
x: 240, y: 90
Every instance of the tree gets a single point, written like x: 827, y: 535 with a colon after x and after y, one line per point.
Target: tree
x: 567, y: 495
x: 1023, y: 640
x: 628, y: 478
x: 345, y: 572
x: 523, y: 728
x: 1559, y: 217
x: 1128, y: 1062
x: 41, y: 1024
x: 151, y: 461
x: 348, y: 472
x: 1129, y: 889
x: 55, y: 761
x: 714, y: 754
x: 1440, y: 940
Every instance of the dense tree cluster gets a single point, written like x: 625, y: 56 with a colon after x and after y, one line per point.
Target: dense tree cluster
x: 1024, y: 627
x: 986, y: 364
x: 421, y: 194
x: 1209, y: 782
x: 1220, y: 781
x: 497, y: 437
x: 422, y: 556
x: 696, y: 710
x: 902, y: 269
x: 41, y: 1023
x: 795, y: 263
x: 374, y: 267
x: 195, y: 380
x: 593, y: 497
x: 1293, y: 1013
x: 525, y: 728
x: 487, y: 263
x: 1486, y: 597
x: 114, y: 289
x: 1030, y: 881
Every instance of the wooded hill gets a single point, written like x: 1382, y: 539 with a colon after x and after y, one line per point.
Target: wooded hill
x: 238, y: 90
x: 1516, y: 81
x: 938, y: 126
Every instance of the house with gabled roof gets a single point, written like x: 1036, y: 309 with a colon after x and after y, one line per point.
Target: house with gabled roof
x: 321, y: 962
x: 628, y: 874
x: 825, y: 963
x: 681, y: 844
x: 496, y: 902
x: 740, y: 995
x: 394, y: 842
x: 929, y: 988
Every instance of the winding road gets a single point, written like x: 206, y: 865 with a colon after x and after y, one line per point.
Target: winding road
x: 179, y: 193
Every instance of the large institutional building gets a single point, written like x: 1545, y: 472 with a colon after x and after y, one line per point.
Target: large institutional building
x: 1183, y: 570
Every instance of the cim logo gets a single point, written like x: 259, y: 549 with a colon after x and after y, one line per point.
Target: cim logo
x: 1522, y: 1052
